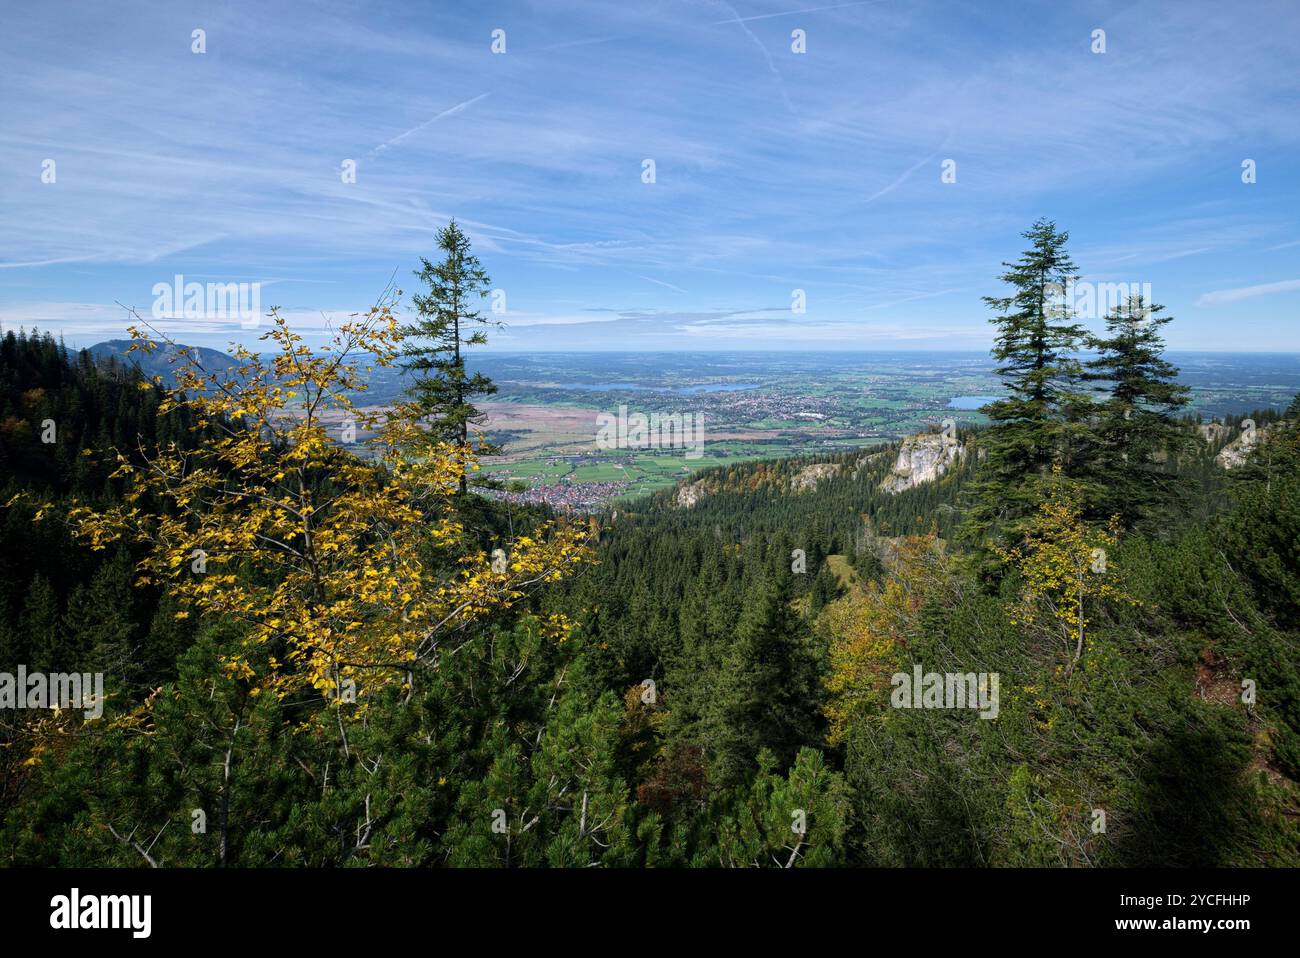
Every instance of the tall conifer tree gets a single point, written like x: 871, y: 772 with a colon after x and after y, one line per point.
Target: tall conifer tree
x: 764, y: 692
x: 1137, y: 430
x: 1043, y: 420
x: 447, y: 322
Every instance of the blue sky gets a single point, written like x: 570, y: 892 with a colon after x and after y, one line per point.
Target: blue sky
x: 774, y: 170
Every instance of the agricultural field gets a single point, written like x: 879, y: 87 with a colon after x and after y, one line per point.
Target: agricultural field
x: 762, y: 406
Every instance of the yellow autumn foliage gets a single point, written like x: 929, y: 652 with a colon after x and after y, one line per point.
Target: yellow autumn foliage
x: 340, y: 567
x: 1065, y: 567
x: 870, y: 627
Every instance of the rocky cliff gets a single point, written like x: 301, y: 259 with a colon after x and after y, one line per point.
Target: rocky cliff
x: 808, y: 477
x: 922, y: 458
x: 1235, y: 453
x: 689, y: 494
x: 1213, y: 432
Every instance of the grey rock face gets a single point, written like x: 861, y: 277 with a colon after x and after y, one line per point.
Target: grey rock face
x: 688, y: 495
x: 808, y: 477
x: 1235, y: 453
x: 922, y: 458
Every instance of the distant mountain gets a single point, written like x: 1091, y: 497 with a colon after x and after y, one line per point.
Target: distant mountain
x: 162, y: 361
x: 385, y: 385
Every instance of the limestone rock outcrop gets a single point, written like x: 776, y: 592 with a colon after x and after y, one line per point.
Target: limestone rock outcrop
x: 808, y: 477
x: 689, y: 494
x: 922, y: 458
x: 1213, y: 432
x: 1235, y: 453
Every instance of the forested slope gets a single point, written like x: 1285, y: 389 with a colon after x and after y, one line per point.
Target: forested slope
x: 381, y: 668
x: 748, y: 655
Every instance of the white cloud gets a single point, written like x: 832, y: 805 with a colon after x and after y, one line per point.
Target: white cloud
x: 1220, y: 296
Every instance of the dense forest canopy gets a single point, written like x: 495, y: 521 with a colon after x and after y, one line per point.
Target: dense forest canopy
x: 318, y: 658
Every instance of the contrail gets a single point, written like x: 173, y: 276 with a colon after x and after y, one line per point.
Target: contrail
x: 771, y: 64
x: 790, y: 13
x: 736, y: 18
x: 416, y: 129
x: 910, y: 170
x: 648, y: 279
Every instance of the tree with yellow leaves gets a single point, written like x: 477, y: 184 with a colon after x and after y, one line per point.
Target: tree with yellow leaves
x: 1063, y: 563
x: 869, y: 629
x: 342, y: 569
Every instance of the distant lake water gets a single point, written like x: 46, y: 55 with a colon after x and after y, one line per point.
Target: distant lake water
x: 716, y: 388
x: 634, y: 387
x: 971, y: 402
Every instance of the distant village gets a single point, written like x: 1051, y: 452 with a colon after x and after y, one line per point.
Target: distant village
x: 566, y: 495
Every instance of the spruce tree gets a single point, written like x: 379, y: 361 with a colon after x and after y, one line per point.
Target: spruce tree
x: 1137, y: 426
x: 765, y: 692
x: 49, y: 647
x: 447, y: 322
x: 1044, y: 418
x: 825, y: 590
x: 99, y: 622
